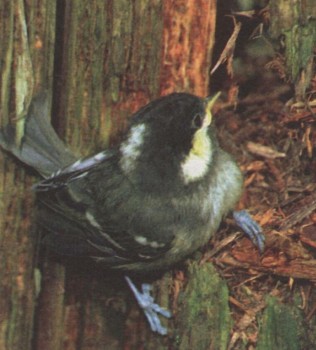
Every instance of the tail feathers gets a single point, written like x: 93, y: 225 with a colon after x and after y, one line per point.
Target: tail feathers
x: 40, y: 148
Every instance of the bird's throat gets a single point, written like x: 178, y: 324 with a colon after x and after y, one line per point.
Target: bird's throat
x: 196, y: 164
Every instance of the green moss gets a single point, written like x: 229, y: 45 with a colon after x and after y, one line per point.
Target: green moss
x: 205, y: 315
x: 281, y: 328
x: 300, y: 42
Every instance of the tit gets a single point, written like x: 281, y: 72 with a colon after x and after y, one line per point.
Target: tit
x: 144, y: 204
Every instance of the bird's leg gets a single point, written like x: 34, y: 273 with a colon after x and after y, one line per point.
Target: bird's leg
x: 250, y: 227
x: 151, y: 310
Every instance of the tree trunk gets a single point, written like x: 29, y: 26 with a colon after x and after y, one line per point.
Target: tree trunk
x: 27, y: 51
x: 293, y: 25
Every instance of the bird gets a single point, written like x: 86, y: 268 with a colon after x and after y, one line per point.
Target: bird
x: 142, y: 205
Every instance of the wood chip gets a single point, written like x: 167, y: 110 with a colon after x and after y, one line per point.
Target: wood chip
x: 300, y: 213
x: 264, y: 151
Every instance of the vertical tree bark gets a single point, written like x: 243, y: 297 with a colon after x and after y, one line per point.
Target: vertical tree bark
x: 27, y: 51
x: 293, y: 24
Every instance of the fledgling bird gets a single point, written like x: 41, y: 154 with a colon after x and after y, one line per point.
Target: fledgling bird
x: 143, y: 205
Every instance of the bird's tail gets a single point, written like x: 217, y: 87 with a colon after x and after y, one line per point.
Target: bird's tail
x: 40, y: 146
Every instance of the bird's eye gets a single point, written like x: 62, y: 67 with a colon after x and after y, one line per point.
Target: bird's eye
x: 197, y: 121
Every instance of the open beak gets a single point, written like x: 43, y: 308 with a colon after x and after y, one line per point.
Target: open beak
x: 209, y: 103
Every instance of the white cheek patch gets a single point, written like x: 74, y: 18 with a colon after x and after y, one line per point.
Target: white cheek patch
x: 131, y: 147
x: 194, y: 167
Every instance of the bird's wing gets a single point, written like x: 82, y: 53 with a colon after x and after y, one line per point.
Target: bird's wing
x: 71, y: 232
x: 69, y: 201
x: 73, y: 171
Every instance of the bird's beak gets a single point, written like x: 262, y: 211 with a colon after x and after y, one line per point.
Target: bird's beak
x: 209, y: 103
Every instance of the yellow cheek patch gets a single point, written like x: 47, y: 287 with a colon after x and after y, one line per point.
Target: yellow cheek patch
x: 201, y: 143
x: 196, y: 164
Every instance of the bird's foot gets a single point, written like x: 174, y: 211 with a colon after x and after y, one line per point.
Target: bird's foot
x: 250, y: 227
x: 151, y: 309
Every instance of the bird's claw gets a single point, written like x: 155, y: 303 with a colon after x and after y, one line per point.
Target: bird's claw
x: 151, y: 309
x: 250, y: 227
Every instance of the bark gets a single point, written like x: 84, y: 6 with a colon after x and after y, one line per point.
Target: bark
x: 293, y: 25
x: 27, y: 39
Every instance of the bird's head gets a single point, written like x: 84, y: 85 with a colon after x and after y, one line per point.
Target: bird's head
x: 172, y: 133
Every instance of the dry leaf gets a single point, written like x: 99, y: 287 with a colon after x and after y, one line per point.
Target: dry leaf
x: 228, y: 52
